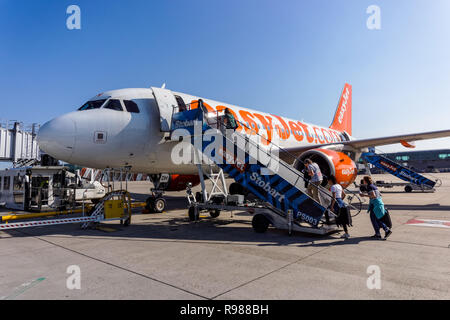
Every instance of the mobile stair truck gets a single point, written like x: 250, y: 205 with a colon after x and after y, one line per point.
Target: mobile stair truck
x: 280, y: 188
x: 414, y: 180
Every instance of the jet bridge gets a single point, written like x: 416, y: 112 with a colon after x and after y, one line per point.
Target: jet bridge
x: 280, y: 188
x: 17, y: 143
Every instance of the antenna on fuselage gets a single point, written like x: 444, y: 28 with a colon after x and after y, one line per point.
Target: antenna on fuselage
x: 163, y: 86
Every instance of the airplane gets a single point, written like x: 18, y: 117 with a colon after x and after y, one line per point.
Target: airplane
x: 130, y: 128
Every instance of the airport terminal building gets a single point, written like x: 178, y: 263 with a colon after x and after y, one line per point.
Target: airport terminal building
x: 423, y: 161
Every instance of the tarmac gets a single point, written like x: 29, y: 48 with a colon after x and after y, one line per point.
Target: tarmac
x: 165, y: 256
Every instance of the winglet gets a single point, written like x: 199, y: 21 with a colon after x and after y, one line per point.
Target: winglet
x: 342, y: 120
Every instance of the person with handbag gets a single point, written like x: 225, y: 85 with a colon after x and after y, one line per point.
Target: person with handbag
x: 338, y: 206
x: 376, y: 209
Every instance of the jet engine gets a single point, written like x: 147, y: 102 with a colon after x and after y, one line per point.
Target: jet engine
x: 331, y: 163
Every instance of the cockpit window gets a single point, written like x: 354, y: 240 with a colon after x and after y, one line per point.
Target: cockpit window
x: 131, y: 106
x: 96, y: 104
x: 114, y: 104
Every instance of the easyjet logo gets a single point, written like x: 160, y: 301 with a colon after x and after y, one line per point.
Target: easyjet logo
x: 254, y: 123
x: 387, y: 165
x: 348, y: 172
x: 344, y: 105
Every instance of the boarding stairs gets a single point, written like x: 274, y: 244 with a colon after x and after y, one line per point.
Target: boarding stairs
x: 415, y: 179
x: 276, y: 183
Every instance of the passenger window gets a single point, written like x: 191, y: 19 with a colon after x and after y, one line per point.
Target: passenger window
x: 114, y: 104
x: 96, y: 104
x: 6, y: 183
x: 18, y: 183
x: 131, y: 106
x: 181, y: 104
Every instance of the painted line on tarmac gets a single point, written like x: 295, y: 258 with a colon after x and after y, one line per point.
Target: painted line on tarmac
x: 23, y: 288
x: 271, y: 272
x: 114, y: 265
x: 429, y: 223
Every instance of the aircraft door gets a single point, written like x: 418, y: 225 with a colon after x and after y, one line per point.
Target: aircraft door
x: 167, y: 105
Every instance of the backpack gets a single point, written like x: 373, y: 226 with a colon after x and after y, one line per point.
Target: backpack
x: 386, y: 219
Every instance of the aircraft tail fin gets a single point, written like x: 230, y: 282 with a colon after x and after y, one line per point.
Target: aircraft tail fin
x: 342, y: 120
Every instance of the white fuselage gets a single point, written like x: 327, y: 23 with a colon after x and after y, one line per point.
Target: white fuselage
x: 102, y: 137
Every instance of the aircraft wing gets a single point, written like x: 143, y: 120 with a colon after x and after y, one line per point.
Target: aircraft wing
x: 374, y: 142
x: 363, y: 143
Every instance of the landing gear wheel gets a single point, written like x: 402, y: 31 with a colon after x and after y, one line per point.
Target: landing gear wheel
x: 193, y: 214
x: 214, y: 213
x: 159, y: 205
x: 150, y: 206
x: 260, y: 223
x: 408, y: 189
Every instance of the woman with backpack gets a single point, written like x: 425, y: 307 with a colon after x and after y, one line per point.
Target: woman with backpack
x: 338, y: 206
x: 376, y: 208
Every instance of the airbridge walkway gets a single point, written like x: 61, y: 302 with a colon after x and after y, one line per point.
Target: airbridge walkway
x: 18, y: 142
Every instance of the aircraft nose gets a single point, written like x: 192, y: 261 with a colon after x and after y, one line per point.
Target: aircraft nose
x: 57, y: 137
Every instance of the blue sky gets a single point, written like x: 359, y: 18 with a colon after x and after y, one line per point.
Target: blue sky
x: 291, y: 58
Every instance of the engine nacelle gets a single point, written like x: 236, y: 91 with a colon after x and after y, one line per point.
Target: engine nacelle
x: 178, y: 182
x: 332, y: 163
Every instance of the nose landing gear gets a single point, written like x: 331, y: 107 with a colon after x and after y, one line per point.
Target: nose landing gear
x: 156, y: 203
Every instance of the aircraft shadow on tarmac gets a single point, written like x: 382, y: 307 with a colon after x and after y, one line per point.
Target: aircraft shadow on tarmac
x: 154, y: 229
x: 157, y: 227
x: 180, y: 203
